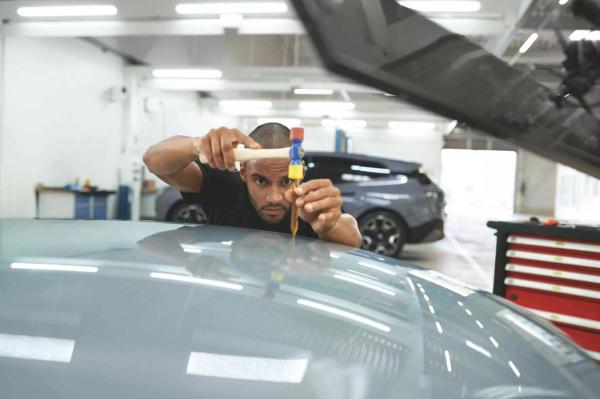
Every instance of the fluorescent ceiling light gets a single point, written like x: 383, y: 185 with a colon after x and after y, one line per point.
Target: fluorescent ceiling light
x: 316, y: 92
x: 326, y: 106
x: 528, y: 43
x: 383, y: 269
x: 442, y: 6
x: 247, y: 368
x: 254, y: 104
x: 478, y: 348
x: 67, y: 11
x: 448, y: 362
x: 347, y: 123
x: 439, y: 327
x: 451, y: 126
x: 54, y: 267
x: 368, y: 169
x: 585, y: 35
x: 248, y: 112
x: 366, y: 284
x: 344, y: 314
x: 36, y: 348
x: 195, y: 280
x: 191, y: 248
x: 232, y: 8
x: 289, y: 122
x: 514, y: 368
x: 405, y: 125
x: 187, y: 73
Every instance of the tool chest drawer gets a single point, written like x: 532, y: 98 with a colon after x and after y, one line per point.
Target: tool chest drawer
x: 553, y: 271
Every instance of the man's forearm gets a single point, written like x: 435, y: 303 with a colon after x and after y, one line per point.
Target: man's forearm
x: 344, y: 232
x: 170, y: 155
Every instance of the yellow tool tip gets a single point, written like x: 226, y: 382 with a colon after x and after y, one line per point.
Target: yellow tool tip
x: 296, y: 172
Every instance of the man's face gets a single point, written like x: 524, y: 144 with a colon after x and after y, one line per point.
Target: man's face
x: 267, y: 181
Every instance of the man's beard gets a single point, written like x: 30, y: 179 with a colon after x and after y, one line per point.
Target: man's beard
x: 284, y: 213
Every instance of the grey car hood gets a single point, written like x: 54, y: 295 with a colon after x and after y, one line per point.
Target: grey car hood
x: 148, y: 310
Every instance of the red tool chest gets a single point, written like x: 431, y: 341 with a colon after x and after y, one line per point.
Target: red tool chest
x: 555, y: 272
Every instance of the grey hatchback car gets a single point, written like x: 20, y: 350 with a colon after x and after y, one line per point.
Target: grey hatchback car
x: 394, y: 202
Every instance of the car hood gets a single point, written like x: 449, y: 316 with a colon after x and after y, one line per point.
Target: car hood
x: 120, y: 309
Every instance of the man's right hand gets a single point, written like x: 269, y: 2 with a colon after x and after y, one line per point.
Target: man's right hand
x: 217, y: 146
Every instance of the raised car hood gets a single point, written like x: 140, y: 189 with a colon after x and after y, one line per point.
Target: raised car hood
x: 385, y: 45
x: 147, y: 310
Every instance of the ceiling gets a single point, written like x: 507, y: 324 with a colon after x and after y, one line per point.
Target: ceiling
x: 266, y: 56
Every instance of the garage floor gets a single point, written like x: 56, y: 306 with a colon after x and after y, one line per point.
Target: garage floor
x: 466, y: 254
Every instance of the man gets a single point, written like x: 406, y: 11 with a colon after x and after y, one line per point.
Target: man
x: 260, y: 195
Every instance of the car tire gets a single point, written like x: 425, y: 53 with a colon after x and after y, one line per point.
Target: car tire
x: 383, y: 232
x: 181, y: 212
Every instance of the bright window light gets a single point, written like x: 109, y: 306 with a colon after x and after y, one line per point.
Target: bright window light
x: 327, y: 106
x: 366, y: 284
x: 254, y: 104
x: 187, y: 73
x: 442, y: 6
x: 344, y: 314
x: 232, y: 8
x: 528, y: 43
x: 54, y: 267
x: 289, y: 122
x: 67, y: 11
x: 195, y: 280
x: 247, y: 368
x: 315, y: 92
x: 36, y: 348
x: 346, y: 123
x: 411, y: 126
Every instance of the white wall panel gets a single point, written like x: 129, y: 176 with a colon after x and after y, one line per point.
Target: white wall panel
x: 58, y: 121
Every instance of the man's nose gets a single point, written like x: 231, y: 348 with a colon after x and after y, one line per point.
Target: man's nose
x: 274, y: 195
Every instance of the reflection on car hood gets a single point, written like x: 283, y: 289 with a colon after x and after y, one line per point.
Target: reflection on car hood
x: 122, y: 310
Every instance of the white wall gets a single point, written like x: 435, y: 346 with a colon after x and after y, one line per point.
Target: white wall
x: 58, y: 123
x: 178, y: 113
x: 577, y: 196
x: 422, y: 147
x: 535, y: 185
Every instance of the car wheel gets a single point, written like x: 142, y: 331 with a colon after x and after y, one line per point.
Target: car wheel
x: 382, y: 232
x: 187, y: 213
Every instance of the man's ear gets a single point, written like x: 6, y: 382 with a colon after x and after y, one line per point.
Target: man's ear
x: 243, y: 172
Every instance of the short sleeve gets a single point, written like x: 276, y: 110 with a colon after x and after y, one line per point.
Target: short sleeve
x: 220, y: 188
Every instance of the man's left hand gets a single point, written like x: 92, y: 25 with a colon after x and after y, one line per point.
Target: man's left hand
x: 319, y: 203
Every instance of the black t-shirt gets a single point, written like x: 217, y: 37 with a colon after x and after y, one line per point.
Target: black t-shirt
x: 225, y: 200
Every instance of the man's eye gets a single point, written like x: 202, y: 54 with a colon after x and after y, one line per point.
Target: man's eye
x: 260, y: 180
x: 286, y: 182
